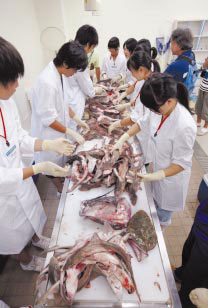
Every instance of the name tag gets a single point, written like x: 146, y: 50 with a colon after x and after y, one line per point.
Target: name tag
x: 11, y: 152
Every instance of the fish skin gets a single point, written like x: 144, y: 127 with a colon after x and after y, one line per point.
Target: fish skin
x: 142, y: 230
x: 107, y: 209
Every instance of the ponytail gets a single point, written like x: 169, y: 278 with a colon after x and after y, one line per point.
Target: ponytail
x: 153, y: 52
x: 156, y: 66
x: 141, y: 58
x: 158, y: 88
x: 183, y: 95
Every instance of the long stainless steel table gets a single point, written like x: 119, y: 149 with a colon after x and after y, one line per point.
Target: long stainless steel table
x: 153, y: 275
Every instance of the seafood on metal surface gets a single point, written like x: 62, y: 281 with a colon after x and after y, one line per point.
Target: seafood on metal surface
x: 142, y: 233
x: 102, y: 166
x: 72, y: 268
x: 116, y: 211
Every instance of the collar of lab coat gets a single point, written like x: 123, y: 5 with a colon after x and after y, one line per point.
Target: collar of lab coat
x: 54, y: 69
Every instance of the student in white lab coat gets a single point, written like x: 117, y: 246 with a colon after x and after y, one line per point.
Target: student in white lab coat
x: 49, y: 111
x: 139, y: 64
x: 79, y: 87
x: 128, y: 48
x: 22, y: 216
x: 141, y: 45
x: 172, y: 137
x: 114, y: 64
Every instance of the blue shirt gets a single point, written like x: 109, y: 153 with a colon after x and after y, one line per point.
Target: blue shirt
x: 180, y: 67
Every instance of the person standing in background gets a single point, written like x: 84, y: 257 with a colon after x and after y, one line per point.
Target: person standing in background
x: 201, y: 107
x: 114, y: 64
x: 181, y: 46
x: 128, y: 48
x: 94, y: 65
x: 49, y: 112
x: 79, y: 87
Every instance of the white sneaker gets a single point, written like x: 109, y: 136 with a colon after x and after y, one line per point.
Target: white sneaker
x: 202, y: 131
x: 43, y: 243
x: 36, y: 264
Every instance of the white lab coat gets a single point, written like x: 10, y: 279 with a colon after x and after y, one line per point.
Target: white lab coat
x: 130, y: 79
x: 172, y: 145
x: 21, y: 211
x: 48, y: 105
x: 77, y: 89
x: 114, y: 68
x: 140, y: 113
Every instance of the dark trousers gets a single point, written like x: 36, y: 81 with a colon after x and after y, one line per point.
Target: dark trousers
x: 194, y: 269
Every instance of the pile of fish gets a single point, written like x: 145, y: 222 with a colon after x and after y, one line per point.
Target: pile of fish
x: 75, y: 267
x: 101, y: 112
x: 104, y: 167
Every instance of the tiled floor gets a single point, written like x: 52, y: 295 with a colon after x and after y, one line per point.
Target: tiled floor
x: 17, y: 286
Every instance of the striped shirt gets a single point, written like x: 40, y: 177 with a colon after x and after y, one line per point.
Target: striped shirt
x: 204, y: 83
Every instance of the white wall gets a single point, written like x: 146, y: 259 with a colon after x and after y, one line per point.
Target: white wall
x: 50, y: 17
x: 131, y: 18
x: 18, y: 25
x: 22, y: 22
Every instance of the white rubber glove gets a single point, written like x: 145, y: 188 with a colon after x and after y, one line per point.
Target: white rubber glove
x: 155, y: 176
x: 199, y: 297
x: 99, y: 90
x: 123, y: 87
x: 50, y: 168
x: 61, y: 146
x: 122, y: 107
x: 116, y: 78
x: 113, y: 126
x: 75, y: 135
x: 122, y: 96
x: 104, y: 76
x: 119, y: 144
x: 80, y: 122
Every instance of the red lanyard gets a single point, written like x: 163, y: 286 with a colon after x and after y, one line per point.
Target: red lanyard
x: 5, y: 136
x: 161, y: 123
x: 134, y: 102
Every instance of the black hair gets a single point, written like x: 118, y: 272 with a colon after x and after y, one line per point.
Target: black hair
x: 87, y: 35
x: 158, y: 88
x: 183, y: 37
x: 141, y: 58
x: 73, y: 55
x: 114, y: 43
x: 11, y: 63
x: 146, y: 45
x: 130, y: 44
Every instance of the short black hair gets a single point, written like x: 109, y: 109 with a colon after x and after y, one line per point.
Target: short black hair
x: 114, y: 43
x: 11, y: 63
x: 87, y: 35
x: 130, y: 44
x: 73, y: 55
x: 183, y: 37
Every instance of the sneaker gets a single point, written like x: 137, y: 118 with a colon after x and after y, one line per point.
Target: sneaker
x: 203, y: 131
x: 36, y: 264
x: 43, y: 243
